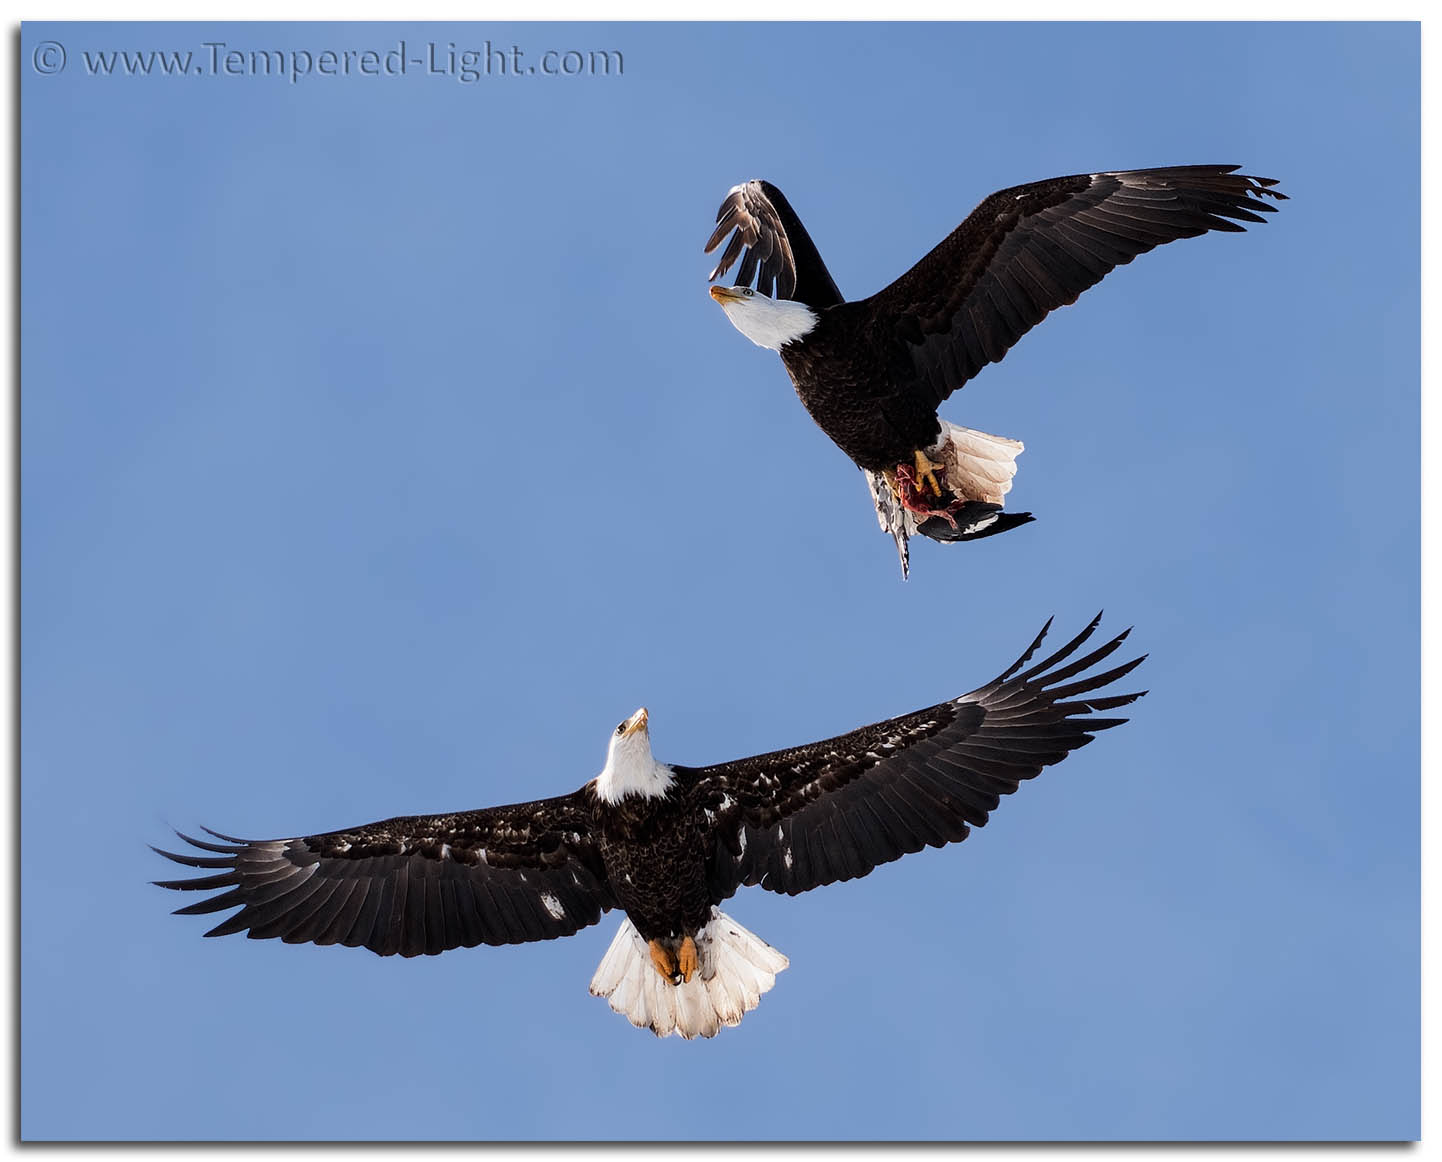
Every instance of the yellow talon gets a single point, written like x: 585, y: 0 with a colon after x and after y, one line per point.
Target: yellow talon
x: 675, y: 968
x: 687, y: 961
x: 663, y: 961
x: 926, y: 471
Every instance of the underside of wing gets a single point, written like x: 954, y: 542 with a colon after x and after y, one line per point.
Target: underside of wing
x: 795, y: 820
x: 412, y: 885
x: 1027, y: 250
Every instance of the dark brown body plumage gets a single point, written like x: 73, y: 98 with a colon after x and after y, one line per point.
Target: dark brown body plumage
x: 655, y: 853
x: 859, y: 389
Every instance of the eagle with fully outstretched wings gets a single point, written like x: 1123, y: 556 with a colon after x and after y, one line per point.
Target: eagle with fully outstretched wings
x: 667, y: 844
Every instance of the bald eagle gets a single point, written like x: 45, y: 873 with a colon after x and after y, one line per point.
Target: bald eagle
x: 873, y: 372
x: 666, y: 844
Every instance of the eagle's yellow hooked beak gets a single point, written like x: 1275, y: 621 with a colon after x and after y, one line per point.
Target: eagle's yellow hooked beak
x: 726, y: 294
x: 636, y: 722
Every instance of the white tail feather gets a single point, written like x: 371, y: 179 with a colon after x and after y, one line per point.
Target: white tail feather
x: 979, y: 466
x: 735, y: 968
x: 662, y: 1007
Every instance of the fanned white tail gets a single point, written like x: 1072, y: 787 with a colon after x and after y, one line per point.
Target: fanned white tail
x: 735, y: 967
x: 979, y: 466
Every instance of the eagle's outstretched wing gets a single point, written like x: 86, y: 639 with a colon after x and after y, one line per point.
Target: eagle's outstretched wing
x: 779, y: 254
x: 1027, y: 250
x: 411, y: 885
x: 796, y: 819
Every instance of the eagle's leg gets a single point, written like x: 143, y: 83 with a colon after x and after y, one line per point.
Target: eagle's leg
x: 687, y: 960
x: 678, y: 967
x: 663, y: 960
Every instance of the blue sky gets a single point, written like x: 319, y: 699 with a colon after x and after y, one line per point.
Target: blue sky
x: 304, y: 365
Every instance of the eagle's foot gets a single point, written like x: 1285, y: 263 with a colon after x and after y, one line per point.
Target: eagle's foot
x: 678, y: 968
x: 687, y: 960
x: 926, y: 470
x: 663, y: 960
x: 913, y: 498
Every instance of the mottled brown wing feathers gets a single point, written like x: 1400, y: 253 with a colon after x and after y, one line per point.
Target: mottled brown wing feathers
x: 410, y: 886
x: 797, y: 819
x: 1027, y: 250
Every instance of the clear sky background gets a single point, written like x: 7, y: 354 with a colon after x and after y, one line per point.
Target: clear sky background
x: 382, y: 449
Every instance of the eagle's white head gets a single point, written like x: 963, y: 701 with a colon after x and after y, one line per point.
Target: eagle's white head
x: 630, y: 768
x: 767, y: 322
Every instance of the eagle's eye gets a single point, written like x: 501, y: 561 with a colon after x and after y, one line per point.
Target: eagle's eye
x: 621, y: 729
x: 748, y: 292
